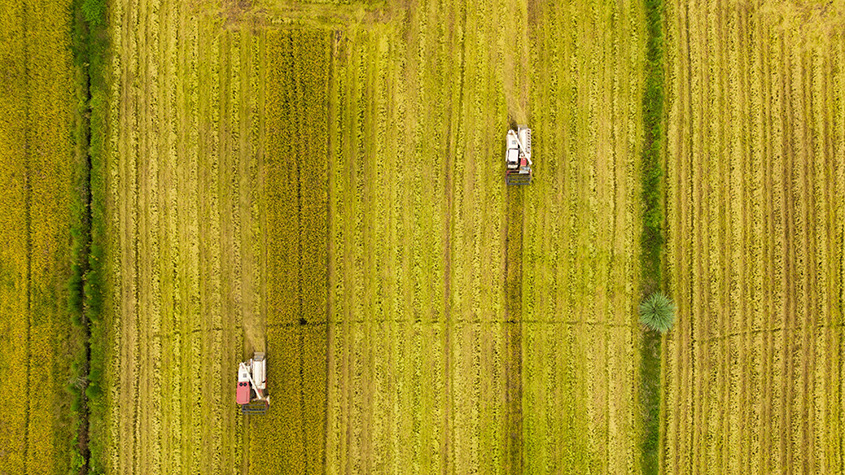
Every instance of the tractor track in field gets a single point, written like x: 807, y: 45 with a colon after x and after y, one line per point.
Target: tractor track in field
x: 807, y: 248
x: 454, y: 127
x: 331, y: 272
x: 147, y: 247
x: 230, y: 224
x: 768, y: 199
x: 517, y: 94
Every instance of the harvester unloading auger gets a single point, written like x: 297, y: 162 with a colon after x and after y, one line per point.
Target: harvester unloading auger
x: 518, y: 156
x: 252, y: 385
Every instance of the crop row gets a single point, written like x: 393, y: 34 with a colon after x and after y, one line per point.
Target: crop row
x: 434, y: 395
x: 386, y: 408
x: 483, y: 375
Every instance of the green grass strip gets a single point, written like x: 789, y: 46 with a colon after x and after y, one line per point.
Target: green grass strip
x: 90, y: 47
x: 652, y: 235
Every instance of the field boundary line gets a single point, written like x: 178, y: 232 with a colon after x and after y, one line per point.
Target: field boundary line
x: 28, y: 220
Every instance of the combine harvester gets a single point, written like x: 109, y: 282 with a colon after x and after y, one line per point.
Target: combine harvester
x: 252, y: 378
x: 518, y: 156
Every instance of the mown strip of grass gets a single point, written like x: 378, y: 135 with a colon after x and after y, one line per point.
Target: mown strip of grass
x: 90, y: 47
x: 652, y: 235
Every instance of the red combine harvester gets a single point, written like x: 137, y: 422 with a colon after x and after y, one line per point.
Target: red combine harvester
x: 518, y: 156
x: 251, y: 394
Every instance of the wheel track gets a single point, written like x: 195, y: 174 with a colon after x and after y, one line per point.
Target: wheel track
x: 169, y: 230
x: 807, y: 263
x: 248, y: 321
x: 768, y: 245
x: 191, y: 440
x: 788, y: 284
x: 827, y: 424
x: 230, y: 228
x: 209, y: 246
x: 823, y: 220
x: 723, y: 241
x: 455, y: 132
x: 258, y: 218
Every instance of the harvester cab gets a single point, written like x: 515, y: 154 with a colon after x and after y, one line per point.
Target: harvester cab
x: 518, y: 156
x: 251, y: 392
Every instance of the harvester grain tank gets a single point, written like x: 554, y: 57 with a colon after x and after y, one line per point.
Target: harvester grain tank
x: 518, y: 156
x: 251, y: 392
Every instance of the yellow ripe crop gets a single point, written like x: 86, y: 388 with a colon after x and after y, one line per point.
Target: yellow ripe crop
x: 296, y: 200
x: 36, y: 155
x: 14, y: 285
x: 311, y: 53
x: 281, y: 186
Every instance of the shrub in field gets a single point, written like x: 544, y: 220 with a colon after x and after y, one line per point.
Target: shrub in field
x: 657, y: 312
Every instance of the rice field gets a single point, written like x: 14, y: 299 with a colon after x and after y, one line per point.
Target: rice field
x: 325, y: 183
x: 753, y: 374
x: 37, y: 157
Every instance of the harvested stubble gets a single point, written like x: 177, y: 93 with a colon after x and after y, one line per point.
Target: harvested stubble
x: 754, y: 159
x: 403, y: 338
x: 580, y: 264
x: 179, y: 165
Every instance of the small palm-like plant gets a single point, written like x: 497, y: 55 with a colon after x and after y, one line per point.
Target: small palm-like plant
x: 657, y: 312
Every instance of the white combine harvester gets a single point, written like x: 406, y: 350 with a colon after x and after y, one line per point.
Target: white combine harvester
x: 518, y: 156
x: 252, y: 385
